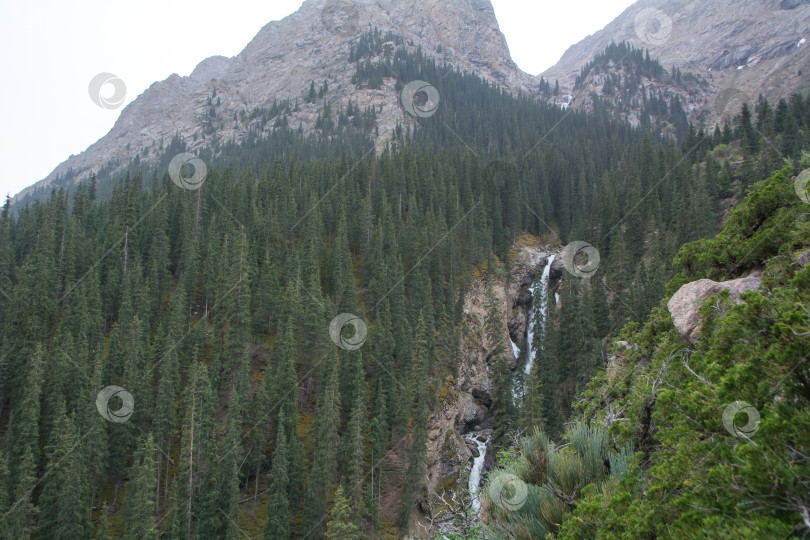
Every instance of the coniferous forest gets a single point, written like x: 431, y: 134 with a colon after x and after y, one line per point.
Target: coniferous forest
x: 168, y: 368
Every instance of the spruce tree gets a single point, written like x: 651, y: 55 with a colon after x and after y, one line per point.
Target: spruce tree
x: 341, y: 524
x: 422, y: 392
x: 64, y: 505
x: 20, y: 514
x: 353, y: 448
x: 23, y: 431
x: 103, y: 529
x: 323, y: 474
x: 139, y: 502
x: 4, y: 498
x: 501, y: 375
x: 278, y: 504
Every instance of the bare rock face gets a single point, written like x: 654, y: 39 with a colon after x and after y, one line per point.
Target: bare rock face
x: 742, y: 47
x: 616, y: 359
x: 281, y: 61
x: 685, y: 304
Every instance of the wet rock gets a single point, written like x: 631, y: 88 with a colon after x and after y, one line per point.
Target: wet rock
x: 489, y: 459
x: 515, y: 326
x: 556, y: 272
x: 791, y: 4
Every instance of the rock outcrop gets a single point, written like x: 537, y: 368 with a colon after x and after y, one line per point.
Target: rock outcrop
x: 684, y: 306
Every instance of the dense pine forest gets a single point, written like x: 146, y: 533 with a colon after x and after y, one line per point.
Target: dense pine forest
x: 233, y: 410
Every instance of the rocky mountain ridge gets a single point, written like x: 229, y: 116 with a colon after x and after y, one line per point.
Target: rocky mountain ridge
x: 282, y: 60
x: 744, y: 48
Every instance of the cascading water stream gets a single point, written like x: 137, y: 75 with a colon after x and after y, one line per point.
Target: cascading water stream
x: 478, y: 467
x: 538, y: 316
x: 539, y: 313
x: 515, y: 349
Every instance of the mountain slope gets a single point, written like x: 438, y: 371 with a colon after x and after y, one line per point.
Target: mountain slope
x: 281, y: 61
x: 638, y: 89
x: 710, y: 39
x: 743, y: 47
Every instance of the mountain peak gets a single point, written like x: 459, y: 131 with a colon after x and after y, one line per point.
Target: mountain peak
x: 282, y: 60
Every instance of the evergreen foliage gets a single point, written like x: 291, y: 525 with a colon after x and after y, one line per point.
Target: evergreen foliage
x: 212, y: 307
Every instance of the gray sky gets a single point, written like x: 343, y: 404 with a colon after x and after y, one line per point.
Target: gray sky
x: 52, y: 49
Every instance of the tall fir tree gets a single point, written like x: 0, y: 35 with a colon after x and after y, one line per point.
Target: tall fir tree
x: 139, y: 502
x: 278, y: 504
x: 501, y: 375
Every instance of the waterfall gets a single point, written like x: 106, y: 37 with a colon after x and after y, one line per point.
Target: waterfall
x: 530, y: 332
x: 539, y: 307
x: 478, y: 467
x: 515, y: 349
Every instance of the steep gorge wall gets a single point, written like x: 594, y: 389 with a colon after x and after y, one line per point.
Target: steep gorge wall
x: 464, y: 401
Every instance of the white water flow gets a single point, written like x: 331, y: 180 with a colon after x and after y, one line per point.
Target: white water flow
x: 515, y: 349
x: 478, y: 467
x: 539, y: 313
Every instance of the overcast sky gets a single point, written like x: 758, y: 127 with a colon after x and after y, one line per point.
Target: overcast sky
x: 51, y: 49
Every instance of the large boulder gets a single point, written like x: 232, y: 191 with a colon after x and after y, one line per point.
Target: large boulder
x: 684, y: 306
